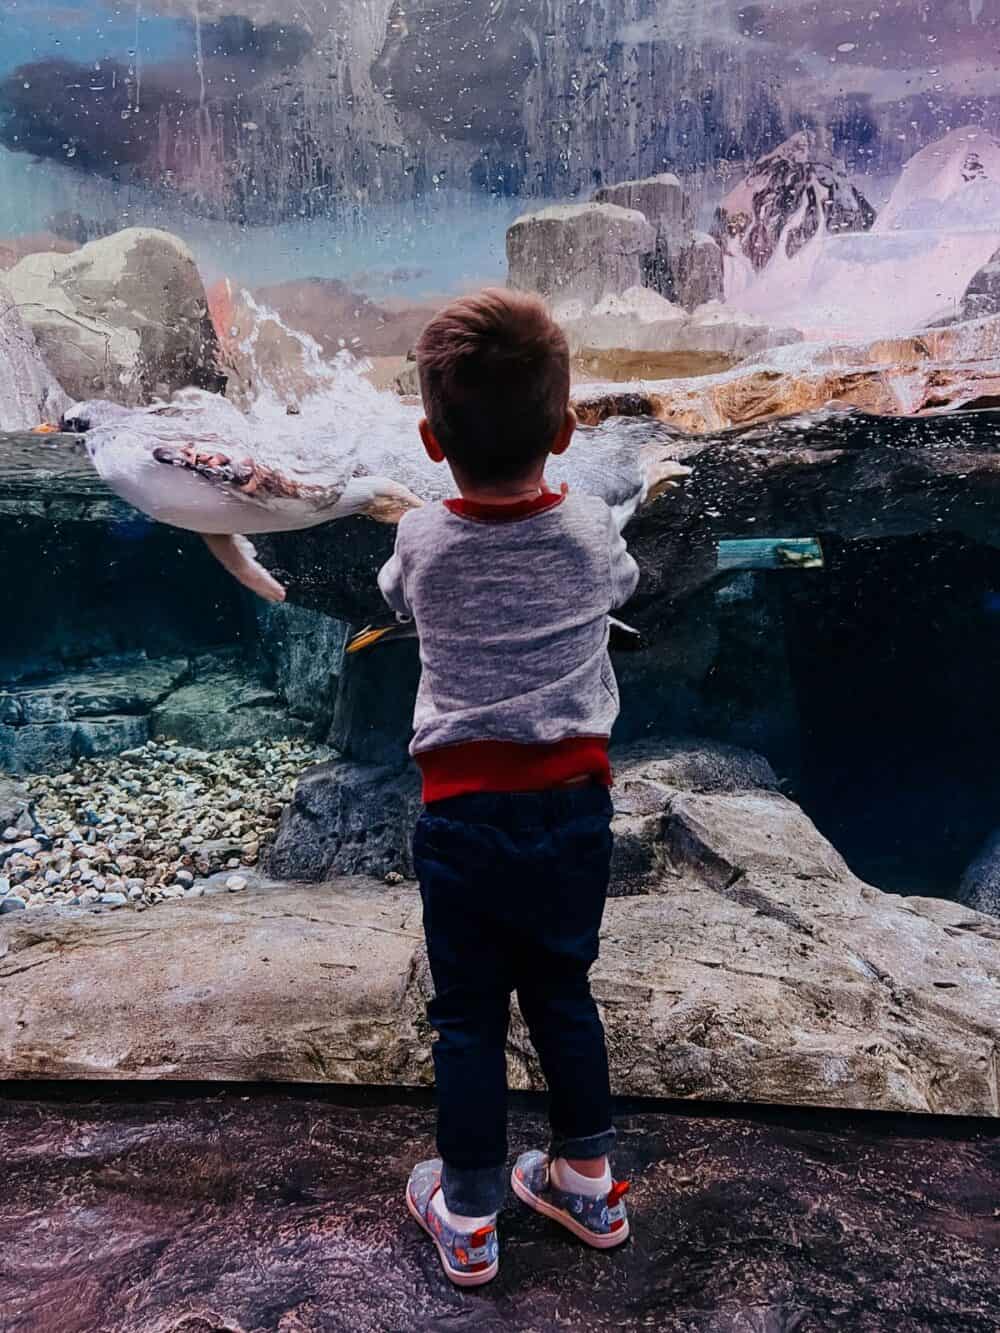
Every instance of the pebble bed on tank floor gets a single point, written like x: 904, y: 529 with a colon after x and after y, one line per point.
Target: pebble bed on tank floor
x: 149, y: 825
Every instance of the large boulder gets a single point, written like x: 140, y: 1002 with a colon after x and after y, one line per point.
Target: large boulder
x: 748, y: 965
x: 29, y: 394
x: 579, y: 251
x: 347, y: 819
x: 124, y: 317
x: 664, y: 202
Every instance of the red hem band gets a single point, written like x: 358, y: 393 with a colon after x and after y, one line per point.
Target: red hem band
x: 477, y: 766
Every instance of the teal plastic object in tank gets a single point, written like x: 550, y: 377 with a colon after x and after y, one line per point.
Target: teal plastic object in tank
x: 770, y: 553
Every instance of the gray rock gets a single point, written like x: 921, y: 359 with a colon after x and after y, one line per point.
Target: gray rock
x: 38, y: 749
x: 579, y: 251
x: 350, y: 818
x: 15, y: 807
x: 650, y: 778
x: 982, y: 296
x: 127, y: 687
x: 665, y: 204
x: 699, y: 272
x: 12, y: 903
x: 124, y: 317
x: 347, y: 818
x: 46, y: 726
x: 55, y: 747
x: 29, y: 393
x: 96, y: 737
x: 304, y: 650
x: 113, y: 899
x: 776, y: 986
x: 980, y: 886
x: 224, y: 707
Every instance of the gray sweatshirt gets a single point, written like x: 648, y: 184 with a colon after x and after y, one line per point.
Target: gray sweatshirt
x: 511, y: 607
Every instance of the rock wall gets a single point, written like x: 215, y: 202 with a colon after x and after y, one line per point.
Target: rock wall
x: 124, y: 317
x: 746, y: 965
x: 29, y: 394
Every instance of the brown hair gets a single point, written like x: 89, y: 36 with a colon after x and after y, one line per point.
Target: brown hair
x: 494, y: 373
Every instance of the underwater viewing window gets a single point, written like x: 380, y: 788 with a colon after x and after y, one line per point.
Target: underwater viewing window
x: 771, y: 235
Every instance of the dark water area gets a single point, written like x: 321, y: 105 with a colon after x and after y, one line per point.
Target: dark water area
x: 244, y: 1210
x: 894, y: 653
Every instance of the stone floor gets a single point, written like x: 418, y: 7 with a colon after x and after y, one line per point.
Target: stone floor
x: 246, y: 1210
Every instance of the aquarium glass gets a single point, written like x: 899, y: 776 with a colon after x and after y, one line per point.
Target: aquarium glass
x: 771, y: 234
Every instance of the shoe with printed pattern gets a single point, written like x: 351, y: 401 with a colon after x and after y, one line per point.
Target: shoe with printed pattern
x: 470, y: 1259
x: 601, y: 1222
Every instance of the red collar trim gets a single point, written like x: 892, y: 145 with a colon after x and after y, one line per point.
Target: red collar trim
x: 505, y: 513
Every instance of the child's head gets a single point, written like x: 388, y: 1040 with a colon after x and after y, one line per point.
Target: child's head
x: 494, y: 373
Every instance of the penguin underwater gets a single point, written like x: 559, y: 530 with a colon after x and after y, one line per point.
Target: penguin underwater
x: 198, y: 463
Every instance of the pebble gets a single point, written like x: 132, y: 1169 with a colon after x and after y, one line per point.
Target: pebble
x: 133, y: 825
x: 12, y: 903
x: 113, y: 899
x: 236, y: 883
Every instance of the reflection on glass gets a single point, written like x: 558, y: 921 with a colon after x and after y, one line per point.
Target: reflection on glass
x: 772, y: 234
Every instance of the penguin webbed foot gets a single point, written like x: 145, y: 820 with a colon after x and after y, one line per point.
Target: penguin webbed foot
x: 236, y: 554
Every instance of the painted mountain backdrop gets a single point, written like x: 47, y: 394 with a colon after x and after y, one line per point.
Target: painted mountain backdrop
x: 269, y: 111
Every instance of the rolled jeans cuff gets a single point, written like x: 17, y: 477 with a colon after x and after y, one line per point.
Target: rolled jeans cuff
x: 583, y: 1149
x: 476, y: 1191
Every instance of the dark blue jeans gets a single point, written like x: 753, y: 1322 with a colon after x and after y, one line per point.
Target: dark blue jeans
x: 514, y: 887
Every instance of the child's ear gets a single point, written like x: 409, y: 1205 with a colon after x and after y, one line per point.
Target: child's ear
x: 565, y: 437
x: 434, y: 451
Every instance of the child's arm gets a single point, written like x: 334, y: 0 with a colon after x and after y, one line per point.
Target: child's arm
x: 392, y: 585
x: 624, y: 570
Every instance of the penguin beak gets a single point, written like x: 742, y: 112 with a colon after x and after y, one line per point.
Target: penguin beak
x: 368, y: 638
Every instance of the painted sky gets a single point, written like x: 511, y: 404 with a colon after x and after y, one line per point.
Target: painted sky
x: 87, y: 31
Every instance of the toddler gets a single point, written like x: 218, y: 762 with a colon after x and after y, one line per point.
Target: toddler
x: 510, y: 586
